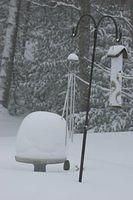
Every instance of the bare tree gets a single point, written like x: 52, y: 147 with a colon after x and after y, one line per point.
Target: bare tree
x: 25, y: 30
x: 131, y: 17
x: 9, y: 50
x: 84, y: 38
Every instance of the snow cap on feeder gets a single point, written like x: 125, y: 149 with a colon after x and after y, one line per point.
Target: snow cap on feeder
x: 73, y: 57
x: 117, y: 50
x: 117, y: 53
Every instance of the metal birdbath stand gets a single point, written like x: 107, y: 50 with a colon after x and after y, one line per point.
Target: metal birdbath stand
x: 118, y: 38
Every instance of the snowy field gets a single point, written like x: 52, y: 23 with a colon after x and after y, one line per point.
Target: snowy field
x: 108, y: 170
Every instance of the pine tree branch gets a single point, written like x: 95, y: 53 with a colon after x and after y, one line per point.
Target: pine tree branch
x: 54, y: 4
x: 115, y: 16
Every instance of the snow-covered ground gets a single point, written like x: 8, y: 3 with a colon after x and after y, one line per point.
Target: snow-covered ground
x: 108, y: 170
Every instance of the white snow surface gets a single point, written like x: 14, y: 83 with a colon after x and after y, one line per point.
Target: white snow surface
x: 42, y: 136
x: 107, y: 175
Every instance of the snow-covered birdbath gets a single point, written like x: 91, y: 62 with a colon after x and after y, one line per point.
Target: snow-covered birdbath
x: 41, y: 140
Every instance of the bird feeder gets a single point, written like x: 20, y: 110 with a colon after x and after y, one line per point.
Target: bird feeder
x: 117, y: 53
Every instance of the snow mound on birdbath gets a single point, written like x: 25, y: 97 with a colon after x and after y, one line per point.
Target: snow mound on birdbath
x: 42, y: 136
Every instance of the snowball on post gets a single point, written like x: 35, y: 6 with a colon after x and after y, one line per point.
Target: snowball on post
x: 73, y: 57
x: 117, y: 53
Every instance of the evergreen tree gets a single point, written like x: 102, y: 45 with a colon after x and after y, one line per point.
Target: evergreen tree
x: 40, y: 75
x: 38, y: 66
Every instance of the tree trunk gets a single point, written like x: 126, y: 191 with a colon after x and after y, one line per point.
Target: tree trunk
x: 84, y: 38
x: 27, y: 17
x: 131, y: 17
x: 9, y: 50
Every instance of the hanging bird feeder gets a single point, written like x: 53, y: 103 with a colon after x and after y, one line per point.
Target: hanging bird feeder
x: 117, y: 53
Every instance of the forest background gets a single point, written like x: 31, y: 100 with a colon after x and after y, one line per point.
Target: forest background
x: 35, y: 41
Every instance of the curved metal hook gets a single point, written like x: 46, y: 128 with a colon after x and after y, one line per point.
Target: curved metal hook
x: 75, y: 30
x: 118, y: 33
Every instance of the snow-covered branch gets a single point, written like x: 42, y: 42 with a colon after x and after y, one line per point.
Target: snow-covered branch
x: 127, y: 95
x: 127, y: 77
x: 103, y: 88
x: 107, y: 71
x: 115, y: 16
x: 55, y: 4
x: 99, y: 66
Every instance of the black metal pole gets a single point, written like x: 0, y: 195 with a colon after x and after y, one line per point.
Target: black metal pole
x: 87, y: 109
x: 118, y: 38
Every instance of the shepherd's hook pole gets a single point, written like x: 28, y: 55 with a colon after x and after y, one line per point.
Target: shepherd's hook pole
x: 118, y: 38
